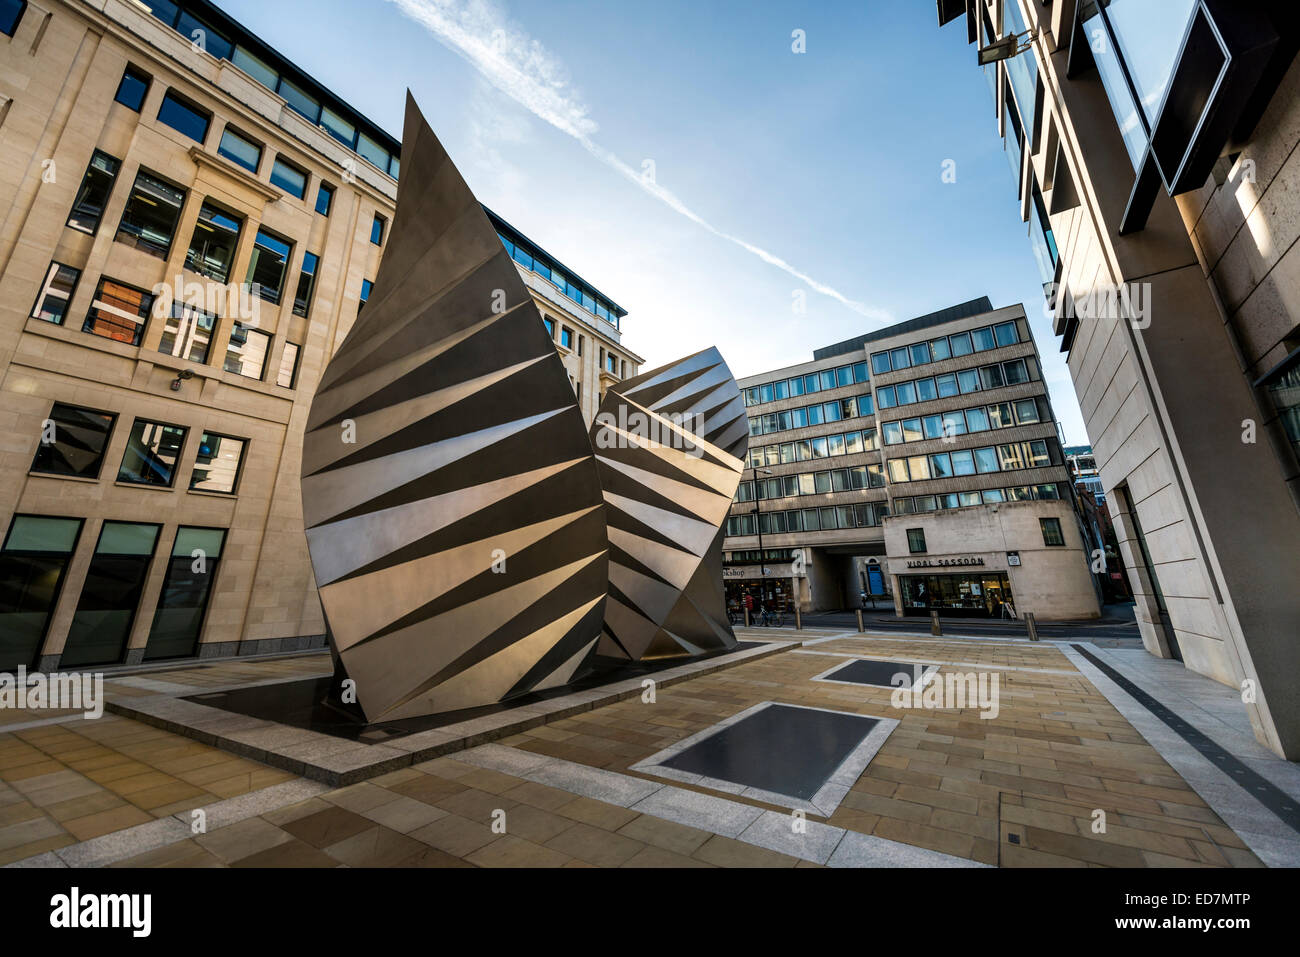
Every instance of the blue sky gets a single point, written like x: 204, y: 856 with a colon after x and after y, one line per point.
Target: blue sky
x: 773, y: 171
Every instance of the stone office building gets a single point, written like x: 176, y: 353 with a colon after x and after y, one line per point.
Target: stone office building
x: 919, y: 462
x: 1153, y: 146
x: 190, y: 225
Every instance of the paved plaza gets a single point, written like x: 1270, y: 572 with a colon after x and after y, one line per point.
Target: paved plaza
x: 1073, y: 771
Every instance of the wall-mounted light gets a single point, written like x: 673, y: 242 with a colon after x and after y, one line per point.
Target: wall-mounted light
x: 181, y: 377
x: 1009, y: 46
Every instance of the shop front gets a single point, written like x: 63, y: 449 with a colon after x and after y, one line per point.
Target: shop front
x: 774, y: 590
x: 977, y: 594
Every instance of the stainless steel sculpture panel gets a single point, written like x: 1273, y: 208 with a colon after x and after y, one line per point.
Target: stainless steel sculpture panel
x: 459, y: 522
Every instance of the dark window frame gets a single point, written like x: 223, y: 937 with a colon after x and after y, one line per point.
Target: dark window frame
x: 171, y: 96
x: 912, y: 543
x: 1053, y: 524
x: 42, y: 292
x: 103, y: 454
x: 134, y: 72
x: 239, y: 469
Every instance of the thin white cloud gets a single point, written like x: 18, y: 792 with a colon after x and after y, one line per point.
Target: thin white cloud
x: 528, y: 73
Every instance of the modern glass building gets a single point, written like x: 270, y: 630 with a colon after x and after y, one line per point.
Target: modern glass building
x: 919, y: 427
x: 191, y: 225
x: 1152, y: 147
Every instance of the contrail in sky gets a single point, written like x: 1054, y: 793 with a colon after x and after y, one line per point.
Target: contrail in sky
x: 524, y: 70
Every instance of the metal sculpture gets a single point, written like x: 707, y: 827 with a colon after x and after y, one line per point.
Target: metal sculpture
x: 456, y: 513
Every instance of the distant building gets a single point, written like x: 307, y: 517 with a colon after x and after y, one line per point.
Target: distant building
x: 919, y: 464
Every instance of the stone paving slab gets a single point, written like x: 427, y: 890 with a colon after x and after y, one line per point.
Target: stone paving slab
x: 340, y: 761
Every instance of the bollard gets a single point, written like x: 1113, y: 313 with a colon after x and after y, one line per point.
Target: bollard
x: 1031, y: 626
x: 798, y: 618
x: 935, y: 628
x: 859, y: 613
x: 746, y: 616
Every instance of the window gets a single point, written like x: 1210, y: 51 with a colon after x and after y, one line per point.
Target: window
x: 118, y: 312
x: 152, y: 452
x: 366, y: 286
x: 377, y: 230
x: 946, y: 385
x: 1026, y: 411
x: 216, y: 469
x: 1052, y: 534
x: 338, y: 127
x: 183, y: 603
x: 246, y: 353
x: 968, y: 380
x: 1015, y: 372
x: 288, y: 374
x: 566, y: 337
x: 289, y: 178
x: 372, y: 152
x: 900, y: 358
x: 1283, y: 388
x: 880, y: 363
x: 73, y: 441
x: 212, y: 247
x: 324, y: 198
x: 306, y: 284
x: 960, y: 343
x: 110, y: 595
x: 939, y: 349
x: 92, y: 197
x: 184, y: 117
x: 920, y: 353
x: 941, y: 465
x: 919, y: 467
x: 912, y: 430
x: 1038, y: 454
x: 916, y: 540
x: 977, y: 420
x: 255, y: 68
x: 549, y: 323
x: 963, y: 463
x: 886, y: 396
x: 240, y: 150
x: 196, y: 31
x: 299, y: 100
x: 954, y: 423
x: 860, y: 373
x: 11, y: 14
x: 269, y: 264
x: 187, y: 333
x: 1006, y: 334
x: 35, y: 556
x: 132, y: 88
x: 925, y: 390
x: 986, y: 460
x: 152, y: 211
x: 1011, y: 457
x: 906, y: 392
x: 56, y: 292
x: 982, y: 339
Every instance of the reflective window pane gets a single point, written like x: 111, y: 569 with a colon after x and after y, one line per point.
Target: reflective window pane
x: 152, y: 453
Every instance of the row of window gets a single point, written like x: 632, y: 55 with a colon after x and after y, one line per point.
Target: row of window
x: 245, y: 151
x: 821, y: 447
x: 573, y: 288
x: 836, y: 410
x: 74, y: 441
x: 1014, y: 372
x: 34, y: 561
x: 330, y: 115
x: 150, y: 218
x: 1000, y: 415
x: 910, y: 504
x: 947, y: 347
x: 826, y: 518
x: 993, y: 458
x: 120, y: 312
x: 807, y: 384
x: 814, y: 483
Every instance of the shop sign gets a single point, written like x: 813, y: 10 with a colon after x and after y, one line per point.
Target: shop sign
x: 943, y: 562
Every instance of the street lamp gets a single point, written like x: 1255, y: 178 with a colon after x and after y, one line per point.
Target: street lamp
x: 758, y: 527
